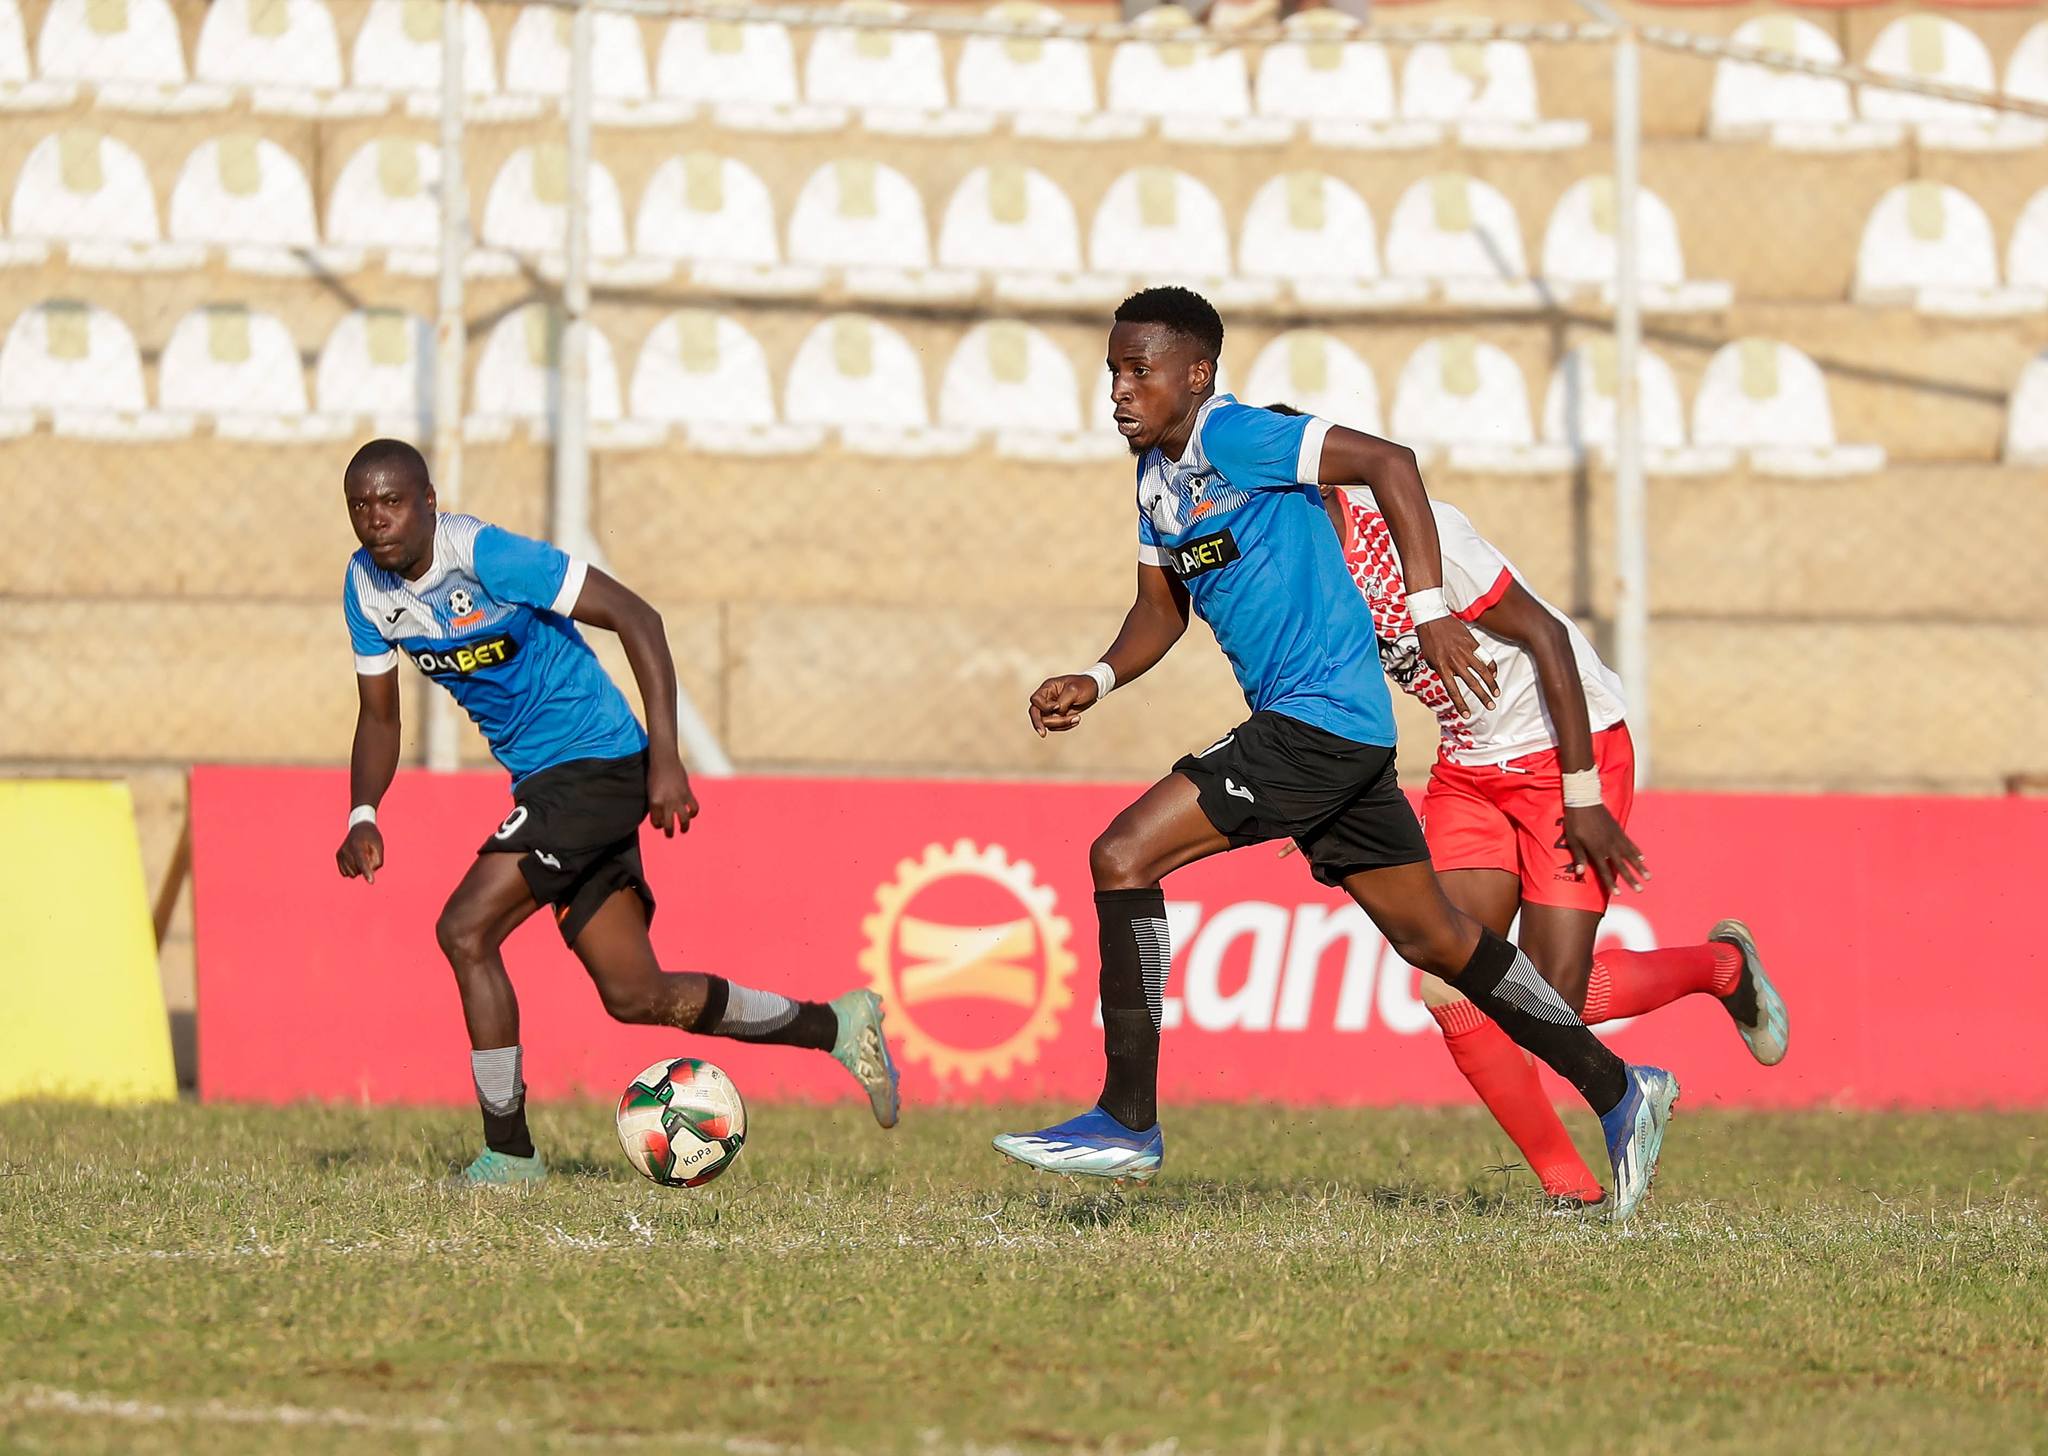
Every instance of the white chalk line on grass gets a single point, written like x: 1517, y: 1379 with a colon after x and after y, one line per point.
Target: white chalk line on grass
x: 49, y: 1400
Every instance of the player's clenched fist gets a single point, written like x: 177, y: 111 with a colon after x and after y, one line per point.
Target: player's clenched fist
x: 362, y: 853
x: 1060, y: 701
x: 671, y: 804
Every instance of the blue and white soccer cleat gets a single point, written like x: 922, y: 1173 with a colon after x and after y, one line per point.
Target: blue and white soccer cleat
x: 1094, y: 1145
x: 501, y: 1170
x: 1635, y: 1135
x: 1772, y: 1034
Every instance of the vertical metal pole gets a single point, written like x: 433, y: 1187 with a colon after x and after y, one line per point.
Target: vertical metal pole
x: 570, y: 525
x: 450, y: 337
x: 1631, y: 504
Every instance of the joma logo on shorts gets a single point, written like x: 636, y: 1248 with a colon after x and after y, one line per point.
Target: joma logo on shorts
x: 1204, y: 553
x: 460, y: 661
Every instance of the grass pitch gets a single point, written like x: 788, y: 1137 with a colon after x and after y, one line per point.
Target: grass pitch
x: 192, y: 1278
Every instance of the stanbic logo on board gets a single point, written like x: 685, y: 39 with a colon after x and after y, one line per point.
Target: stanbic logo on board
x: 1252, y: 965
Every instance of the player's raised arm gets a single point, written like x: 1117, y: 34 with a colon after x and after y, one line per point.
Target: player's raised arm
x: 605, y: 602
x: 1154, y: 623
x: 372, y: 762
x: 1354, y: 458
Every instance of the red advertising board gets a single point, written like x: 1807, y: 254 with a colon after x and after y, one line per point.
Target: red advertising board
x: 968, y: 906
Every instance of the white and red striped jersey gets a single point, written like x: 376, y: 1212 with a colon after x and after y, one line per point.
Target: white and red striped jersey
x: 1476, y: 576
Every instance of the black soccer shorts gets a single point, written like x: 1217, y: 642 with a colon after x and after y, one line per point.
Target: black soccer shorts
x: 576, y: 830
x: 1275, y: 777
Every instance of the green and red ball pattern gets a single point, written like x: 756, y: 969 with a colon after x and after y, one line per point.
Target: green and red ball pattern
x: 682, y: 1122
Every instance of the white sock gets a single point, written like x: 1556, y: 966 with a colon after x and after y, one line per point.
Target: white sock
x: 495, y: 1070
x: 754, y: 1013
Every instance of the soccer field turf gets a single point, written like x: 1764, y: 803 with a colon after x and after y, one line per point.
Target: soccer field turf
x: 191, y: 1278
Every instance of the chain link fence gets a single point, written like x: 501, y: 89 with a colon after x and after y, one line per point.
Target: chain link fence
x: 849, y: 279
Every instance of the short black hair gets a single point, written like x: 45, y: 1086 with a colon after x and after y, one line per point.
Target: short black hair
x: 381, y: 455
x: 1183, y: 310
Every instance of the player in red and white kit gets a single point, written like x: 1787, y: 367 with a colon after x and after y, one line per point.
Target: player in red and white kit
x: 1528, y: 793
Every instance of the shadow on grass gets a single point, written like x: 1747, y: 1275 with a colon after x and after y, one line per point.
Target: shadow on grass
x: 1079, y: 1204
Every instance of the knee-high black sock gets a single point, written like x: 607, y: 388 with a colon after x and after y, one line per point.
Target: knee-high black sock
x: 1134, y: 958
x: 1501, y: 981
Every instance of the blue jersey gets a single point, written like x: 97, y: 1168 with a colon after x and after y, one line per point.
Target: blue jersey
x: 1239, y: 520
x: 490, y: 623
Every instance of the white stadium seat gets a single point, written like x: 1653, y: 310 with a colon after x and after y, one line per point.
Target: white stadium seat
x: 1161, y: 224
x: 1323, y: 72
x: 1027, y: 75
x: 130, y: 50
x: 285, y: 52
x: 1928, y: 48
x: 379, y: 363
x: 1579, y: 248
x: 1008, y: 376
x: 724, y: 63
x: 1931, y: 245
x: 698, y: 367
x: 1010, y: 219
x: 70, y: 356
x: 537, y: 56
x: 2026, y: 418
x: 1464, y: 235
x: 852, y: 371
x: 703, y: 208
x: 239, y: 367
x: 1793, y: 108
x: 1579, y: 406
x: 19, y: 91
x: 857, y: 213
x: 1769, y: 399
x: 1318, y: 374
x: 2026, y: 70
x: 93, y: 193
x: 885, y: 73
x: 243, y: 191
x: 519, y: 374
x: 384, y: 199
x: 399, y: 49
x: 1487, y: 89
x: 1459, y: 391
x: 1316, y: 233
x: 526, y: 212
x: 1174, y: 70
x: 2026, y: 257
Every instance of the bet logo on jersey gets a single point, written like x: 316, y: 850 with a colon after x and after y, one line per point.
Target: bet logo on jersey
x: 461, y: 661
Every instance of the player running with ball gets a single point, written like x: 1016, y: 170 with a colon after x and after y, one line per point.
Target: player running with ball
x: 1529, y: 791
x: 1231, y: 525
x: 491, y: 617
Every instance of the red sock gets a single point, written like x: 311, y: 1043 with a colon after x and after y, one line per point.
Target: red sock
x: 1504, y: 1076
x: 1630, y: 982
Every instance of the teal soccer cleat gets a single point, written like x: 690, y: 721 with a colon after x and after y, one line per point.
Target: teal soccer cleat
x: 863, y: 1050
x: 501, y: 1170
x: 1769, y: 1038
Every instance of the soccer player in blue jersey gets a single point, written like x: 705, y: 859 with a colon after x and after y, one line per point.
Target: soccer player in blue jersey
x: 492, y: 617
x: 1231, y: 526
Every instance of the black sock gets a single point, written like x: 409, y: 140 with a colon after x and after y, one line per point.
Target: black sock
x: 505, y: 1132
x: 765, y: 1018
x: 1500, y: 981
x: 1134, y: 959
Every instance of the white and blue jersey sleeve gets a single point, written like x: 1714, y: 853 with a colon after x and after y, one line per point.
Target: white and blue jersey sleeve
x: 375, y: 656
x: 1256, y: 449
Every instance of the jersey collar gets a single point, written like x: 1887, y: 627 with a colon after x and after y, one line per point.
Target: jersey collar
x: 1187, y: 456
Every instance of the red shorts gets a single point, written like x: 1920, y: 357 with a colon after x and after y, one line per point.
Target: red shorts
x: 1510, y: 816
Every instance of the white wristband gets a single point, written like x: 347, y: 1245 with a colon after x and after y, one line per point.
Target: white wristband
x: 1427, y: 606
x: 1582, y: 789
x: 362, y: 814
x: 1105, y: 679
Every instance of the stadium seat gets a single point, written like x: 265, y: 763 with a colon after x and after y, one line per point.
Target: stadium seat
x: 18, y: 90
x: 1172, y: 72
x: 1579, y: 249
x: 285, y: 53
x: 1161, y: 224
x: 1928, y: 48
x: 1468, y: 397
x: 1010, y: 219
x: 859, y: 376
x: 384, y: 200
x: 2026, y: 257
x: 379, y: 363
x: 1487, y: 89
x: 715, y: 214
x: 92, y: 192
x: 1047, y: 85
x: 896, y: 79
x: 130, y: 51
x: 79, y: 364
x: 526, y: 216
x: 1008, y: 376
x: 1770, y: 400
x: 1315, y: 372
x: 248, y: 195
x: 1931, y: 245
x: 745, y: 72
x: 868, y: 219
x: 1579, y: 410
x: 1315, y: 232
x: 1324, y: 72
x: 1792, y: 108
x: 1462, y: 234
x: 2026, y: 70
x: 518, y: 375
x: 398, y: 49
x: 2026, y: 418
x: 537, y: 63
x: 240, y: 369
x: 699, y: 367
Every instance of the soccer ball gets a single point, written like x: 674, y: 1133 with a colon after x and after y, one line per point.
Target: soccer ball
x: 682, y: 1123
